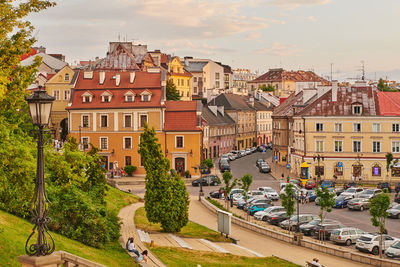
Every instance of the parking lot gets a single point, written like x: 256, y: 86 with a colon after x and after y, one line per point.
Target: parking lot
x: 247, y: 164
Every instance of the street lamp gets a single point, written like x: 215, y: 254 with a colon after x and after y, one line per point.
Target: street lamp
x: 40, y: 104
x: 318, y: 158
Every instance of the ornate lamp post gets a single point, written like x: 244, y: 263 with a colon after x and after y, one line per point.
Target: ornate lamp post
x: 40, y: 104
x: 318, y: 158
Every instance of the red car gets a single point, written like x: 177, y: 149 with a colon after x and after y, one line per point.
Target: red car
x: 310, y: 184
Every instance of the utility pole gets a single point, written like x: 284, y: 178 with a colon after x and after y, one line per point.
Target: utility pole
x: 331, y: 71
x: 318, y: 158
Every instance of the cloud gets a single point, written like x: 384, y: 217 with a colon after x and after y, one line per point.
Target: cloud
x: 278, y: 49
x: 293, y: 4
x: 185, y: 46
x: 253, y: 35
x: 312, y: 19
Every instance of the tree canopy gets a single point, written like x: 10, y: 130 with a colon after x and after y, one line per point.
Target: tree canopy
x: 382, y: 86
x: 172, y: 93
x: 267, y: 88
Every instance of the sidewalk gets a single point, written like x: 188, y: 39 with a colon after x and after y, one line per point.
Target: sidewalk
x: 265, y: 245
x: 277, y: 170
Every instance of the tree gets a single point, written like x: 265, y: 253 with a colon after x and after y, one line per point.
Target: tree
x: 378, y: 207
x: 267, y: 88
x: 326, y: 203
x: 382, y: 86
x: 288, y: 200
x: 166, y: 197
x: 230, y: 183
x: 208, y: 163
x: 389, y: 159
x: 245, y: 183
x: 172, y: 93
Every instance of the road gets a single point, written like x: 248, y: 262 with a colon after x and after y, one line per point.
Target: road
x: 359, y: 219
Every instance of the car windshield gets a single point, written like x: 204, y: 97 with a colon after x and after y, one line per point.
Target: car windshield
x: 269, y: 190
x: 396, y: 244
x: 336, y: 232
x: 365, y: 238
x: 397, y: 207
x: 340, y: 198
x: 314, y: 222
x: 351, y: 190
x: 257, y: 193
x: 368, y: 192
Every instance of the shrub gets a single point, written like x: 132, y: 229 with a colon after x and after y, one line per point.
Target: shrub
x: 129, y: 169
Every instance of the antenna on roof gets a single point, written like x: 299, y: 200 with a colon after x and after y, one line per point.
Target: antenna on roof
x: 362, y: 70
x: 331, y: 71
x: 119, y: 37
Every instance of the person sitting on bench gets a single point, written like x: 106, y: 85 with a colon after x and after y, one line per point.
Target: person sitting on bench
x: 130, y: 246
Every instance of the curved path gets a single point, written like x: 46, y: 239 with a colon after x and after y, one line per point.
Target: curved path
x: 265, y: 245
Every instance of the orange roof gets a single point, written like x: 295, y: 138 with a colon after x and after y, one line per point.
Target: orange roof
x: 30, y: 53
x: 389, y: 103
x: 181, y: 116
x: 181, y: 105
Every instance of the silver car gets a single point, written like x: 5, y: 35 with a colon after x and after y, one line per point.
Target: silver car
x: 394, y: 250
x: 370, y: 193
x: 346, y: 236
x: 352, y: 192
x: 394, y: 212
x: 358, y: 204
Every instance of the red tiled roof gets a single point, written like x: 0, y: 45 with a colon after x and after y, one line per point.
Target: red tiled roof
x: 278, y: 75
x: 181, y: 116
x: 389, y: 103
x: 142, y: 80
x: 30, y: 53
x: 164, y: 58
x: 50, y: 75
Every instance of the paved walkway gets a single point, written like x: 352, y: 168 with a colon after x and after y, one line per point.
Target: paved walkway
x: 265, y: 245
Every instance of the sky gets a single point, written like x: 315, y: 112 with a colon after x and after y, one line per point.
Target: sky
x: 317, y: 35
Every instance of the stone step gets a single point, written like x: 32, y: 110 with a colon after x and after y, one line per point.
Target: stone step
x: 144, y: 237
x: 236, y: 250
x: 180, y: 241
x: 250, y: 251
x: 216, y: 247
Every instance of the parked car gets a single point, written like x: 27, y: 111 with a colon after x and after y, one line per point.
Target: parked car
x: 253, y: 149
x: 393, y: 251
x: 262, y: 215
x: 324, y: 231
x: 247, y: 151
x: 295, y: 221
x: 397, y: 198
x: 224, y: 166
x: 308, y: 228
x: 397, y: 189
x: 256, y: 193
x: 296, y: 182
x: 207, y: 180
x: 258, y: 207
x: 352, y: 192
x: 215, y: 194
x: 341, y: 201
x: 256, y: 201
x: 346, y: 236
x: 350, y: 184
x: 311, y: 195
x: 259, y: 161
x: 262, y: 148
x: 394, y: 212
x: 237, y: 153
x: 370, y: 193
x: 232, y: 156
x: 358, y: 204
x: 283, y: 185
x: 224, y: 157
x: 370, y: 243
x: 327, y: 183
x: 310, y: 184
x: 269, y: 192
x: 385, y: 185
x: 277, y: 217
x: 242, y: 153
x: 264, y: 168
x: 236, y: 191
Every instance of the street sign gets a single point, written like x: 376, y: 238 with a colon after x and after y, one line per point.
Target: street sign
x: 340, y: 164
x: 288, y: 166
x: 275, y: 158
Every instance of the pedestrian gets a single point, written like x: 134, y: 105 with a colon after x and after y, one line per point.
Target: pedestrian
x: 302, y: 197
x: 143, y: 257
x: 288, y: 179
x: 130, y: 246
x: 315, y: 262
x: 307, y: 198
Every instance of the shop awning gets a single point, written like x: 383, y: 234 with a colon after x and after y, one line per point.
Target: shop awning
x: 304, y: 165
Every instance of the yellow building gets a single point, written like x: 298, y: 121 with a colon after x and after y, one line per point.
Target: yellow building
x: 60, y: 85
x: 181, y: 78
x: 345, y: 135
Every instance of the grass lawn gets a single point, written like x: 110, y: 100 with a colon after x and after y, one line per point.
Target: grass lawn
x: 192, y: 229
x: 185, y: 257
x: 14, y: 231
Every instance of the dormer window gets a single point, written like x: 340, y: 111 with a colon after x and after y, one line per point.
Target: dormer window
x: 357, y: 109
x: 129, y: 96
x: 66, y: 77
x: 145, y: 96
x: 87, y: 97
x: 106, y: 97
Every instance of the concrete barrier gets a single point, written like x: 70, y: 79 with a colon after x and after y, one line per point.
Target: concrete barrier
x: 311, y: 244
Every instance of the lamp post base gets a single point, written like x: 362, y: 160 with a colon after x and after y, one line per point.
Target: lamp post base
x: 53, y: 260
x: 201, y: 194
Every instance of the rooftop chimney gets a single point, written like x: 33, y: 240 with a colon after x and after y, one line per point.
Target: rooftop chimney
x: 117, y: 79
x: 334, y: 91
x: 87, y: 74
x: 132, y: 77
x: 102, y: 76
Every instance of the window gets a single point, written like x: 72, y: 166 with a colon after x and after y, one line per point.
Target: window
x: 376, y: 170
x: 338, y: 146
x: 356, y: 127
x: 338, y: 127
x: 127, y: 120
x: 195, y: 79
x: 104, y: 143
x: 319, y: 127
x: 319, y: 146
x: 217, y: 84
x: 145, y: 98
x: 56, y: 94
x: 195, y: 90
x: 376, y: 146
x: 319, y: 170
x: 67, y: 94
x: 85, y: 143
x: 66, y: 77
x: 143, y: 120
x: 376, y: 127
x: 129, y: 98
x: 179, y: 141
x: 87, y: 99
x: 396, y: 146
x: 127, y: 142
x: 338, y: 170
x: 104, y: 121
x: 106, y: 98
x: 217, y: 75
x: 357, y: 109
x: 128, y: 160
x: 85, y: 121
x: 396, y: 127
x: 356, y: 146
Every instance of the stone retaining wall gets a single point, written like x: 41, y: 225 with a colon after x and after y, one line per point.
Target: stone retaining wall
x: 314, y: 245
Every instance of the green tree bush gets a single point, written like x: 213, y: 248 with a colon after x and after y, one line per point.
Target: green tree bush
x: 288, y: 200
x: 326, y: 203
x: 267, y: 88
x: 129, y: 169
x: 172, y: 93
x: 166, y: 197
x: 378, y: 207
x: 230, y: 183
x: 245, y: 183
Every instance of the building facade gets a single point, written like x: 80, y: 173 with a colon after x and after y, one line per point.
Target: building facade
x: 264, y: 122
x: 181, y: 78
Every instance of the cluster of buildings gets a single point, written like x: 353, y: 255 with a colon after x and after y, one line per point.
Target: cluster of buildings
x: 341, y: 132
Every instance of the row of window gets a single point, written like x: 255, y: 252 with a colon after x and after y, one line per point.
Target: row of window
x: 357, y: 146
x: 66, y: 95
x: 200, y: 79
x: 357, y: 127
x: 181, y: 82
x: 218, y: 132
x: 127, y: 142
x: 106, y: 98
x: 264, y: 115
x: 104, y: 121
x: 264, y: 127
